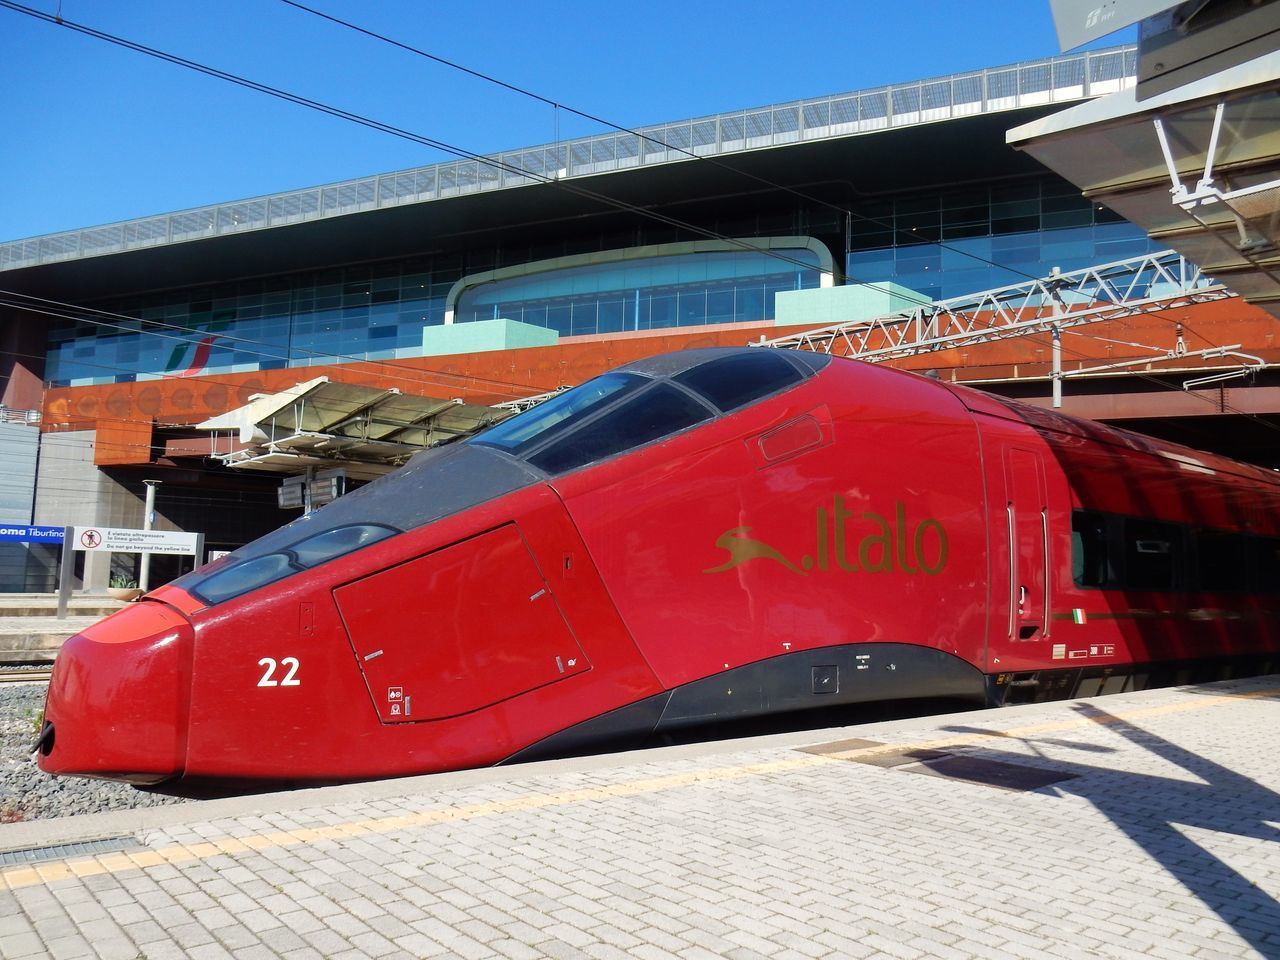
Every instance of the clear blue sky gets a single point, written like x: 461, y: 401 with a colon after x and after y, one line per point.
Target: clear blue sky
x: 95, y: 134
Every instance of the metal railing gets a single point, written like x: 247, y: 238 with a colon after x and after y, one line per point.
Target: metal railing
x: 1052, y: 80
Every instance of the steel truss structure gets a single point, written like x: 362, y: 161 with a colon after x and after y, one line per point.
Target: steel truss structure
x: 1147, y: 284
x: 525, y: 403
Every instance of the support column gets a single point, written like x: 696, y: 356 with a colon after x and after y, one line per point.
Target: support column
x: 148, y: 518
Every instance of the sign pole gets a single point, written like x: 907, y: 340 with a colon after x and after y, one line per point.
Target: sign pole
x: 148, y: 518
x: 67, y: 570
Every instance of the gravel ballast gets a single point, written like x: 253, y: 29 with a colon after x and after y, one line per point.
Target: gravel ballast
x: 27, y: 792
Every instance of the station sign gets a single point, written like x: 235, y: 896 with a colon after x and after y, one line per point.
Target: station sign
x: 11, y: 533
x: 123, y: 540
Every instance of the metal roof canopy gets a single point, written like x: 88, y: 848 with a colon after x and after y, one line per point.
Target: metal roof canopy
x: 366, y: 430
x: 1211, y: 195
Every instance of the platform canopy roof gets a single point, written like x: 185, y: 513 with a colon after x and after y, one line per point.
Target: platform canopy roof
x: 1211, y: 191
x: 320, y: 423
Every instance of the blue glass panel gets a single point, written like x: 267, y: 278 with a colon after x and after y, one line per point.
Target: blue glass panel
x: 302, y: 319
x: 714, y: 287
x: 610, y: 316
x: 720, y: 307
x: 559, y: 317
x: 692, y: 307
x: 1015, y: 257
x: 662, y: 311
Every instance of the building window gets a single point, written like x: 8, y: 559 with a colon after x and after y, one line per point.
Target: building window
x: 669, y: 285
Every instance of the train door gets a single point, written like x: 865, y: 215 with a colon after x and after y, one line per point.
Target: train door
x: 458, y: 629
x: 1029, y: 580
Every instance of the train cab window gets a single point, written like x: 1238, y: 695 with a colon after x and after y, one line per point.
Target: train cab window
x: 1220, y: 561
x: 1152, y: 554
x: 655, y: 413
x: 734, y: 381
x: 1090, y: 564
x: 541, y: 422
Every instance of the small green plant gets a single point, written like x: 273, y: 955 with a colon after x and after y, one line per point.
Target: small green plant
x: 121, y: 582
x: 37, y: 719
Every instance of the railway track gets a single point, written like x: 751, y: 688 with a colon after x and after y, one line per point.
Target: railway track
x: 32, y: 675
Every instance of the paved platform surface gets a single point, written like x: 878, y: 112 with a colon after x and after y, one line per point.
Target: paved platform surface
x: 1158, y: 839
x: 37, y: 639
x: 30, y: 630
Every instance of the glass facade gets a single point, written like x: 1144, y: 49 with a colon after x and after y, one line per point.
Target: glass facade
x: 363, y: 313
x: 942, y: 243
x: 379, y: 312
x: 956, y: 242
x: 645, y: 294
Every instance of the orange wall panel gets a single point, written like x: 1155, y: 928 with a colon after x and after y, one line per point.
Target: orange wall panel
x: 123, y: 412
x: 122, y: 442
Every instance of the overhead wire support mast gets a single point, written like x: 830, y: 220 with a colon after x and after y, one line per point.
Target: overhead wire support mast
x: 1147, y: 284
x: 1055, y: 285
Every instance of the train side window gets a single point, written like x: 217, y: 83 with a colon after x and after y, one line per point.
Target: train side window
x: 311, y: 552
x: 1090, y: 564
x: 655, y: 413
x: 1266, y: 564
x: 733, y: 382
x: 334, y: 543
x: 1152, y: 554
x: 1220, y: 561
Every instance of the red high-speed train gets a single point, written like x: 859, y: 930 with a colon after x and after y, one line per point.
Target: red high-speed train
x: 705, y: 535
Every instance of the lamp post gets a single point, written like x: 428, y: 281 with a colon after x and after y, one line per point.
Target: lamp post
x: 148, y: 518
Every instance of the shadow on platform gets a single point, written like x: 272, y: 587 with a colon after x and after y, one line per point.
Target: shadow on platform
x: 1150, y: 809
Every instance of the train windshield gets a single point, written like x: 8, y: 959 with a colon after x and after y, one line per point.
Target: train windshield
x: 741, y: 378
x: 657, y: 412
x: 545, y: 420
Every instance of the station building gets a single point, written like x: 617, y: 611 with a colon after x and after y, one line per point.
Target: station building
x: 160, y: 348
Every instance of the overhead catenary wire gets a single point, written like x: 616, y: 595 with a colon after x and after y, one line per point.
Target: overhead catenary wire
x: 1153, y: 378
x: 1079, y: 355
x: 467, y: 154
x: 631, y: 131
x: 124, y: 322
x: 424, y: 140
x: 491, y: 161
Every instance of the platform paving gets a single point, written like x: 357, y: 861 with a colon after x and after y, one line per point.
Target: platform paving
x: 1160, y: 838
x: 30, y: 630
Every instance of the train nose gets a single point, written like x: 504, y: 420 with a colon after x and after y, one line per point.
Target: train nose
x: 119, y: 698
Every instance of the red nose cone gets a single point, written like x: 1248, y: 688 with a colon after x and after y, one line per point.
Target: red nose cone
x: 118, y: 700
